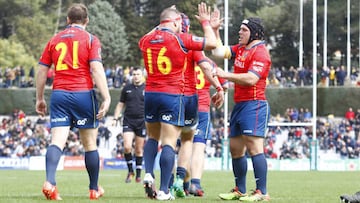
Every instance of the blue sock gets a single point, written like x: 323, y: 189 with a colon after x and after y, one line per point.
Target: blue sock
x: 150, y: 149
x: 181, y: 172
x: 186, y: 185
x: 240, y: 170
x: 196, y: 182
x: 260, y: 171
x: 171, y: 182
x: 52, y: 157
x: 167, y: 161
x: 92, y: 167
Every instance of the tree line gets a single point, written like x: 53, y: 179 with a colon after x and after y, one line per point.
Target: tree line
x: 26, y: 26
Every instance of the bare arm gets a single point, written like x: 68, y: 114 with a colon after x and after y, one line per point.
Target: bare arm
x: 41, y: 106
x: 247, y: 79
x: 204, y: 19
x: 119, y: 107
x: 117, y: 112
x: 218, y: 97
x: 220, y: 51
x: 207, y: 69
x: 99, y: 77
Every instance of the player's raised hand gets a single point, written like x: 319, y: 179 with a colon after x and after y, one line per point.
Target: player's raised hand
x: 215, y: 20
x: 204, y: 12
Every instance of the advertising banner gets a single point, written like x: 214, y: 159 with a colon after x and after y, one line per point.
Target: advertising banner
x: 14, y: 163
x: 115, y: 164
x: 76, y: 163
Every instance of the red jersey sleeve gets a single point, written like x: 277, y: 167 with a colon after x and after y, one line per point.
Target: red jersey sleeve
x: 45, y: 58
x: 95, y: 49
x: 192, y: 42
x: 199, y: 56
x: 260, y: 63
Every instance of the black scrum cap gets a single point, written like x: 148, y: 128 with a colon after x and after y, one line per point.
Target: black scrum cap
x: 256, y: 28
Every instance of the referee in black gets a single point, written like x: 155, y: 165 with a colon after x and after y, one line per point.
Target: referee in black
x: 132, y: 100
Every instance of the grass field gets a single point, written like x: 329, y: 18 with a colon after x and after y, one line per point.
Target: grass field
x: 289, y: 187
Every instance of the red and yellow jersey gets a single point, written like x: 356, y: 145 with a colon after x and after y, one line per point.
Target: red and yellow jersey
x: 256, y: 60
x: 165, y: 59
x: 203, y: 88
x: 193, y: 58
x: 71, y: 52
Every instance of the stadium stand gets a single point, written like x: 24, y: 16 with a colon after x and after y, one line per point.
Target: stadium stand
x: 338, y: 137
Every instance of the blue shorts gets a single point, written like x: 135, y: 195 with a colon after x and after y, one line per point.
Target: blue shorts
x: 74, y: 109
x: 249, y: 118
x: 162, y: 107
x: 191, y: 110
x: 202, y: 133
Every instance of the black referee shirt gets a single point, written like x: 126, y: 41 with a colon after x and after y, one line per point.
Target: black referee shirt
x: 133, y: 98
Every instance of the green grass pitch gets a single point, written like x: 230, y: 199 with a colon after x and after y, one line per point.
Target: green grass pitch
x: 283, y: 187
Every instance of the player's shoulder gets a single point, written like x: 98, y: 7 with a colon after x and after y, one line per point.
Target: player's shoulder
x: 238, y: 46
x: 261, y: 51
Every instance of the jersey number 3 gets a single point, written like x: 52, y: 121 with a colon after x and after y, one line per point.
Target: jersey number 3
x: 63, y: 48
x: 200, y: 78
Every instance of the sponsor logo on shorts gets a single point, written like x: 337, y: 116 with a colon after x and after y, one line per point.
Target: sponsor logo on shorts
x: 63, y: 119
x: 188, y: 122
x: 166, y: 117
x: 247, y: 131
x: 81, y: 122
x: 149, y: 116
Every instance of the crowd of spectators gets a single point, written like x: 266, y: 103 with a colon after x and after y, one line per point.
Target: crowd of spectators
x: 18, y: 77
x: 303, y: 76
x: 23, y: 136
x: 118, y: 76
x: 337, y: 136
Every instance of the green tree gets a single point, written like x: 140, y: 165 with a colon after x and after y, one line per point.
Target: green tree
x: 30, y: 27
x: 110, y: 29
x: 337, y: 28
x: 190, y: 8
x: 29, y: 30
x: 282, y: 32
x: 135, y: 26
x: 32, y: 23
x: 153, y: 8
x: 7, y: 10
x: 13, y: 54
x: 143, y: 16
